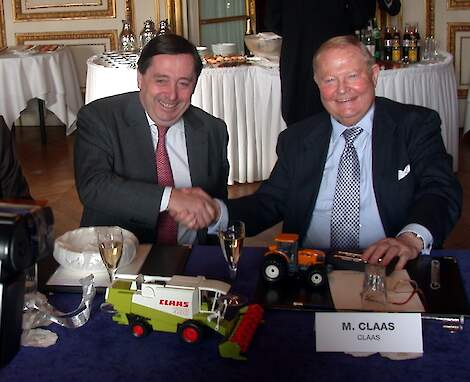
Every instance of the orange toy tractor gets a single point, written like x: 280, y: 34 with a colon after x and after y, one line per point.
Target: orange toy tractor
x: 285, y: 259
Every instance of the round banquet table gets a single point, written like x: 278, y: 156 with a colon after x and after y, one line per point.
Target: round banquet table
x: 50, y: 76
x: 248, y: 99
x: 431, y: 85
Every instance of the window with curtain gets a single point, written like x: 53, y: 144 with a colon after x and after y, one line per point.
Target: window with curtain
x: 222, y: 21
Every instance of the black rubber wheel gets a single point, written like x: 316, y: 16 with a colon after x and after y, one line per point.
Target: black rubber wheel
x: 316, y: 277
x: 139, y: 328
x: 274, y: 269
x: 191, y: 332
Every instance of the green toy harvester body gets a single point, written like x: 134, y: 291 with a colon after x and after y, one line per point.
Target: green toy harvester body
x: 185, y: 305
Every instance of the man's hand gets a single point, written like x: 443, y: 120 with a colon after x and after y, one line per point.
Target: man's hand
x: 192, y: 207
x: 406, y: 247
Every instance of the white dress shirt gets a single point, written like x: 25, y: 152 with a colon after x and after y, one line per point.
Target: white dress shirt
x: 370, y: 228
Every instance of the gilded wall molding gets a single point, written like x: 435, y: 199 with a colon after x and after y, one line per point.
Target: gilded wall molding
x: 3, y: 40
x: 458, y: 4
x: 174, y: 14
x: 47, y: 14
x: 452, y: 29
x: 251, y: 13
x: 110, y: 35
x: 430, y: 17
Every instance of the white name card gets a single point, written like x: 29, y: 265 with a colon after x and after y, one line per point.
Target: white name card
x: 369, y: 332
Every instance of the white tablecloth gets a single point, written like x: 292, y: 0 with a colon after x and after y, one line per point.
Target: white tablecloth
x: 51, y: 77
x: 247, y: 98
x: 433, y: 86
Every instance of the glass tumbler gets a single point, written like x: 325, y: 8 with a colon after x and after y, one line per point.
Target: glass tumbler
x: 374, y: 288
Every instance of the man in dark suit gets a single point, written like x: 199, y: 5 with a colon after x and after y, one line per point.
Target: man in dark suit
x: 408, y: 199
x: 13, y: 184
x: 140, y: 156
x: 304, y: 25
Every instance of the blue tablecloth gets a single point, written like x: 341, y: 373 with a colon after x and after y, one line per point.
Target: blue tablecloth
x: 283, y: 348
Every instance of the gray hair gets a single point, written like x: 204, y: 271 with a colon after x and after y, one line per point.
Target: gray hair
x: 342, y: 42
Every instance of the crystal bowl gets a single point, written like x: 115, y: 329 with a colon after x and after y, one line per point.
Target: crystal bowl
x: 266, y: 45
x: 77, y: 250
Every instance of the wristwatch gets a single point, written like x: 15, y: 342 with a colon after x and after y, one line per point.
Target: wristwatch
x: 417, y: 235
x: 422, y: 233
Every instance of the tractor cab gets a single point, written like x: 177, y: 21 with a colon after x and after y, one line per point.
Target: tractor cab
x: 288, y: 244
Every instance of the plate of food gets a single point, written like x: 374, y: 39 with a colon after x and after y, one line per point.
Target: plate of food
x: 219, y: 61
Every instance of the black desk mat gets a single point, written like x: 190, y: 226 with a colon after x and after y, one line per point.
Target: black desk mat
x: 450, y: 298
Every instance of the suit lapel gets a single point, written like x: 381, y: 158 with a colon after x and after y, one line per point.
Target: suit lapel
x: 197, y: 145
x: 315, y: 151
x: 384, y: 152
x: 138, y: 127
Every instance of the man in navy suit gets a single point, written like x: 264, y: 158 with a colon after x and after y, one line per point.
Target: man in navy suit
x: 409, y: 197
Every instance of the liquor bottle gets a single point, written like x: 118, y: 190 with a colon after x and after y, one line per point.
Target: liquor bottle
x: 413, y: 52
x: 418, y: 41
x: 388, y: 44
x: 377, y: 36
x: 396, y: 47
x: 248, y: 32
x: 357, y: 33
x: 369, y: 41
x: 406, y: 43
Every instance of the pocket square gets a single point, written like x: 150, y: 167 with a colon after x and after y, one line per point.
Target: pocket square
x: 404, y: 172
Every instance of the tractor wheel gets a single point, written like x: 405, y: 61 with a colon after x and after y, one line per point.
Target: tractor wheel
x: 274, y: 269
x: 190, y: 332
x: 139, y: 328
x: 316, y: 277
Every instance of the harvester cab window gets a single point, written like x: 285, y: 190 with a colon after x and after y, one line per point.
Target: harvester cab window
x: 207, y: 300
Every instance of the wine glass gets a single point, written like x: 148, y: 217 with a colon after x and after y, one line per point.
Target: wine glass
x: 231, y: 242
x: 110, y: 243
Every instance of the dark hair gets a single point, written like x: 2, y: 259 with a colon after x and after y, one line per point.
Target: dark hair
x: 168, y: 44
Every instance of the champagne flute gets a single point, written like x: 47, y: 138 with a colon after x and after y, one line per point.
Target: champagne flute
x: 231, y: 242
x: 110, y: 243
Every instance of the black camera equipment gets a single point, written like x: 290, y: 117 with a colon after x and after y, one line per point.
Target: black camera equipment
x: 26, y: 236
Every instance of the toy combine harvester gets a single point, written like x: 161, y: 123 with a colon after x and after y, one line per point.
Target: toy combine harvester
x: 185, y: 305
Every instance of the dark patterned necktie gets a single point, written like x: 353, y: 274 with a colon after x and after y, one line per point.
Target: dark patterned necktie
x: 167, y: 229
x: 346, y: 203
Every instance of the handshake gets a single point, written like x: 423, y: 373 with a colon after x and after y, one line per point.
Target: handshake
x: 193, y: 207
